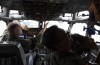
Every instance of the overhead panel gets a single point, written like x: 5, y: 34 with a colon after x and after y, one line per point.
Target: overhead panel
x: 47, y: 9
x: 42, y: 9
x: 52, y: 1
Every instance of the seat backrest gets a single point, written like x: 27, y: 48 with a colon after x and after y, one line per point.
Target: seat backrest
x: 12, y: 49
x: 97, y: 60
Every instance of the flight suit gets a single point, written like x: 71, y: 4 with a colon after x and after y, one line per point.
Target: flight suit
x: 67, y: 59
x: 27, y: 44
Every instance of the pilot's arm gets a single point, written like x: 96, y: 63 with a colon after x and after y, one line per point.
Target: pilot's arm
x: 38, y: 38
x: 28, y: 44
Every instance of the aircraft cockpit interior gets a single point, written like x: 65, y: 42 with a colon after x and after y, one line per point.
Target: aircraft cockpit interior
x: 49, y: 32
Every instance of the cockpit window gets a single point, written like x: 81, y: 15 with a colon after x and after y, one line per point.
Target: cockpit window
x: 0, y: 9
x: 78, y: 28
x: 82, y: 15
x: 30, y: 23
x: 15, y: 14
x: 62, y: 25
x: 3, y: 27
x: 66, y: 16
x: 96, y: 37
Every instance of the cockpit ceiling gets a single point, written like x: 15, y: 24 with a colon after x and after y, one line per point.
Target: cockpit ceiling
x: 51, y: 1
x: 46, y: 8
x: 70, y: 5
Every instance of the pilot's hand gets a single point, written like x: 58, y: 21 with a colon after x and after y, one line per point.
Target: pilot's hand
x: 25, y: 27
x: 43, y: 30
x: 45, y: 24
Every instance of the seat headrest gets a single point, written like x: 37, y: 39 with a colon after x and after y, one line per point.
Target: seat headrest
x: 10, y: 49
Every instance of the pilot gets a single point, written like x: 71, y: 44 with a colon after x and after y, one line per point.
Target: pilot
x: 55, y: 39
x: 83, y: 44
x: 15, y: 30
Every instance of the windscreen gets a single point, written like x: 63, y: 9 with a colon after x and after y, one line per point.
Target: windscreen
x: 96, y: 37
x: 63, y: 25
x: 30, y: 23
